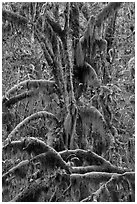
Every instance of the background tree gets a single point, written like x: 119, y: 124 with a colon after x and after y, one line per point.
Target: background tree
x: 68, y: 101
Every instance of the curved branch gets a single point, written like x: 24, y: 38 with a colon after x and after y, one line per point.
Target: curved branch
x: 41, y: 114
x: 51, y: 160
x: 86, y: 155
x: 28, y: 84
x: 48, y: 159
x: 28, y: 144
x: 92, y: 160
x: 36, y: 146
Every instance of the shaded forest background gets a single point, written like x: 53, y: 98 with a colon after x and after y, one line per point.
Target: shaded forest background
x: 68, y: 106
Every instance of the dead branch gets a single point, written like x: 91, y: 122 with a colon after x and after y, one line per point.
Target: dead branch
x: 53, y: 197
x: 63, y: 194
x: 95, y: 196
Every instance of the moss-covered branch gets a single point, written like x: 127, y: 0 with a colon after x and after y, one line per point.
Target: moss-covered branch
x: 35, y: 116
x: 35, y: 84
x: 27, y: 94
x: 93, y: 162
x: 28, y: 144
x: 84, y: 155
x: 51, y: 160
x: 36, y: 146
x: 97, y: 168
